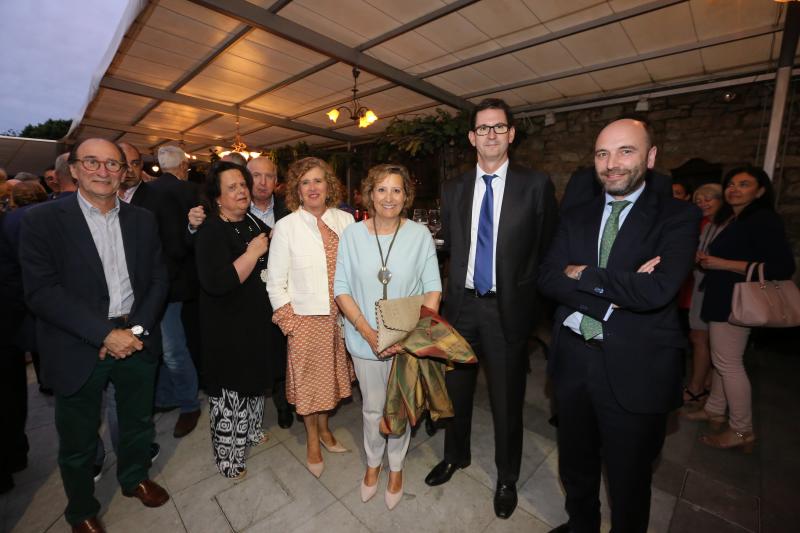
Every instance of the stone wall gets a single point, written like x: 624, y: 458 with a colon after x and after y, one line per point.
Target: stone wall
x: 696, y: 125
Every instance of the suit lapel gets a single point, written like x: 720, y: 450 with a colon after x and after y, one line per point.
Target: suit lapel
x: 511, y: 191
x: 77, y: 229
x: 127, y: 226
x: 633, y: 231
x: 467, y: 191
x: 591, y: 236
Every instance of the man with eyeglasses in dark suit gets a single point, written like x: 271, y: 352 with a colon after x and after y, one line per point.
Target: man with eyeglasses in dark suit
x: 94, y: 276
x: 497, y: 220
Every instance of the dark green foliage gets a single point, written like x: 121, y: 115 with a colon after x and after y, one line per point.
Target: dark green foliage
x: 53, y: 129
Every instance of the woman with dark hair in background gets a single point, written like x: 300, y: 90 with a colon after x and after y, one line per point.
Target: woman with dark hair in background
x: 231, y: 251
x: 750, y: 232
x: 300, y: 283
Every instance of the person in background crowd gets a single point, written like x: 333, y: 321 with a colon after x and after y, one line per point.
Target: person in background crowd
x: 104, y: 327
x: 238, y: 343
x: 51, y: 180
x: 708, y: 198
x: 750, y: 232
x: 406, y: 249
x: 66, y: 183
x: 235, y: 158
x: 300, y: 276
x: 615, y: 268
x: 269, y: 208
x: 3, y: 175
x: 491, y: 295
x: 178, y: 378
x: 681, y: 191
x: 15, y: 337
x: 27, y: 176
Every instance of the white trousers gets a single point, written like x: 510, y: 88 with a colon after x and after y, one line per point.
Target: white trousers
x: 372, y: 378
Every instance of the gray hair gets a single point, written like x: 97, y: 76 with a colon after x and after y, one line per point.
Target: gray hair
x: 236, y: 158
x: 710, y: 190
x: 61, y: 166
x: 26, y: 176
x: 170, y: 157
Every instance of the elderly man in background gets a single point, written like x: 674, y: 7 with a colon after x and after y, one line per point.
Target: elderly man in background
x: 66, y: 184
x: 269, y: 208
x: 178, y: 377
x: 94, y: 275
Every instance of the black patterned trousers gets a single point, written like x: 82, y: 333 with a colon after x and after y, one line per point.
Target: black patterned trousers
x: 235, y: 425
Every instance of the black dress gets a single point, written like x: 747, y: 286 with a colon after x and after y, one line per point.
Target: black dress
x: 240, y: 347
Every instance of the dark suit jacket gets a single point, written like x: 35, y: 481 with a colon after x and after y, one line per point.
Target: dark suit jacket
x: 527, y: 220
x: 643, y: 341
x: 583, y: 187
x: 177, y: 198
x: 756, y: 236
x: 66, y: 288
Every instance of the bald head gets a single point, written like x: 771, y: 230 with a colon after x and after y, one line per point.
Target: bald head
x: 133, y: 174
x: 622, y: 155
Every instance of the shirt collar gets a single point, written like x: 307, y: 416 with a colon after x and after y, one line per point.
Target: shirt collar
x: 270, y: 207
x: 87, y: 208
x: 500, y: 172
x: 632, y: 197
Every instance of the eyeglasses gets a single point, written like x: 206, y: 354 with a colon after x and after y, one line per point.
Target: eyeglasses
x: 91, y: 164
x: 499, y: 129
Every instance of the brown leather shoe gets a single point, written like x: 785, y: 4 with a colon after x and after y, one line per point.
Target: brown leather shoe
x: 186, y: 424
x: 150, y: 493
x: 91, y: 525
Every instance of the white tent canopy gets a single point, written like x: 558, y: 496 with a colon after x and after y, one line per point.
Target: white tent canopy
x: 187, y: 69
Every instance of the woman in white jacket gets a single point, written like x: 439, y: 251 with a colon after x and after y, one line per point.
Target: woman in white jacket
x: 300, y: 274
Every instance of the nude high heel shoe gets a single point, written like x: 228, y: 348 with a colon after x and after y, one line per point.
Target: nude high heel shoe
x: 393, y: 498
x: 316, y: 468
x: 367, y: 491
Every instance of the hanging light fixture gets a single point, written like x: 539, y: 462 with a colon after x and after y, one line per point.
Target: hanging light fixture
x: 364, y: 115
x: 239, y: 145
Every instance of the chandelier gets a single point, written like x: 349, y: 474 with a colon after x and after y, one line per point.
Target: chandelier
x: 364, y: 115
x: 239, y: 145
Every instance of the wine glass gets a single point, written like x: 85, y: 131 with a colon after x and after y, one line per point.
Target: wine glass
x: 434, y: 222
x: 420, y: 216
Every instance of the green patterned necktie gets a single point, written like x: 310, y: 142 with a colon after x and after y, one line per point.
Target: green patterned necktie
x: 591, y: 328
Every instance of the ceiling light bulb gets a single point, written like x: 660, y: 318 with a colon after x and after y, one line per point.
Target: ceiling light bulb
x: 363, y: 122
x: 333, y: 114
x: 370, y: 116
x: 154, y: 168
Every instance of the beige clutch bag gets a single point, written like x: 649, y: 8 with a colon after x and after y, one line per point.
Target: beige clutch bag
x: 396, y: 318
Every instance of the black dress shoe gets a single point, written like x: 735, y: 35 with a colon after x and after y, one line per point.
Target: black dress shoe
x: 285, y: 418
x: 563, y: 528
x: 505, y: 500
x: 442, y: 473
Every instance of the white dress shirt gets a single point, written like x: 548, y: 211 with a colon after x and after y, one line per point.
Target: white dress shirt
x: 573, y: 321
x: 498, y: 188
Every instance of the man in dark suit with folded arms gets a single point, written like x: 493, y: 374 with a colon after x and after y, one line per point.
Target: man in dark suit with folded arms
x: 94, y: 276
x: 497, y: 220
x: 615, y: 268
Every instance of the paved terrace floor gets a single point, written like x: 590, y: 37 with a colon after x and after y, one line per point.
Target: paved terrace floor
x: 696, y: 489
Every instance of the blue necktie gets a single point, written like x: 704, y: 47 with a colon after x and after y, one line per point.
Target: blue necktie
x: 482, y: 275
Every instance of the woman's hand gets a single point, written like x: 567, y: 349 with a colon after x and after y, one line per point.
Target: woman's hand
x: 712, y: 262
x: 259, y: 245
x: 370, y: 335
x: 394, y: 349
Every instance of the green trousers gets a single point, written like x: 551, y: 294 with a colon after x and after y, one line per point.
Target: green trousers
x: 78, y: 422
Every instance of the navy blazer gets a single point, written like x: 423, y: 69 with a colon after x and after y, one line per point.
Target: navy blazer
x: 527, y: 221
x: 65, y: 287
x: 643, y: 341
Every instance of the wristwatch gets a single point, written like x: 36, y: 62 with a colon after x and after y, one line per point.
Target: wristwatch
x: 138, y: 331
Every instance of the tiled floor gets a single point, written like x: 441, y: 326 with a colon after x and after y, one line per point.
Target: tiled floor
x: 696, y: 489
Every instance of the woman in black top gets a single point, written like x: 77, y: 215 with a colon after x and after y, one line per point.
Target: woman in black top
x: 751, y: 232
x: 231, y: 251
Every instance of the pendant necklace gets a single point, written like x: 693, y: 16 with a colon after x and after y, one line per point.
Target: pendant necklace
x: 261, y: 260
x: 384, y: 274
